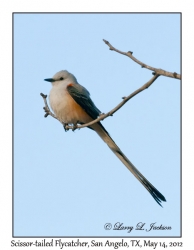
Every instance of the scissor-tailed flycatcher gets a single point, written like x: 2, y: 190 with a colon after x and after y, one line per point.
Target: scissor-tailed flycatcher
x: 72, y: 104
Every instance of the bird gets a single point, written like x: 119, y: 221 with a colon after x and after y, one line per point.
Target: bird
x: 71, y: 103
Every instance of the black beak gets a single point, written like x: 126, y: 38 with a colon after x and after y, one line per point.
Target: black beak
x: 49, y: 80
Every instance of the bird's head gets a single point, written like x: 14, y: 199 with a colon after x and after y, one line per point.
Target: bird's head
x: 60, y: 76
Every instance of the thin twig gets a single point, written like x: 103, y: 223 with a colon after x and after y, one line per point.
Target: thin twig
x: 46, y: 108
x: 143, y: 65
x: 102, y: 116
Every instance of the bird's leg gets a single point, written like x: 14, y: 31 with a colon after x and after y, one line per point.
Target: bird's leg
x: 65, y: 127
x: 75, y: 126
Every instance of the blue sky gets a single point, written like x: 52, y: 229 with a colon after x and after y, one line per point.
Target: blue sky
x: 71, y: 184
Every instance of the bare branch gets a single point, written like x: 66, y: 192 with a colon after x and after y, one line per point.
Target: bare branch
x: 102, y: 116
x: 46, y: 108
x: 143, y: 65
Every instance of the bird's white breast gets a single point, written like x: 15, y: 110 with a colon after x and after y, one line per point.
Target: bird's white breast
x: 64, y: 106
x: 59, y: 103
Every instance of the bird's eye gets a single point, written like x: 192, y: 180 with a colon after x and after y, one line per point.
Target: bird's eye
x: 61, y: 78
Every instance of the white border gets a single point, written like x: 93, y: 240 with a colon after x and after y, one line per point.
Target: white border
x: 7, y: 7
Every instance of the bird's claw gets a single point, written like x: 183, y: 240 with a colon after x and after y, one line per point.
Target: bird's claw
x: 74, y: 126
x: 65, y: 127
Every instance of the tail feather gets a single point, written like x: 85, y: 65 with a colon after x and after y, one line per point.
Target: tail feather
x: 101, y: 131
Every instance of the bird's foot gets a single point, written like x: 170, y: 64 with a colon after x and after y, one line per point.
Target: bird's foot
x: 75, y: 126
x: 66, y: 127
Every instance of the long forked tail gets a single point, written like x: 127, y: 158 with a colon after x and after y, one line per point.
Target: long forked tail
x: 101, y: 131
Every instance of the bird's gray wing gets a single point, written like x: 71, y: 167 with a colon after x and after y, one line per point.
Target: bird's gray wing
x: 82, y: 97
